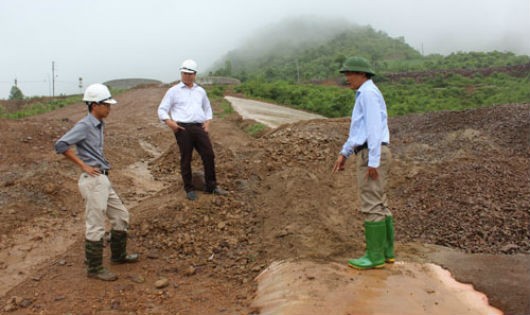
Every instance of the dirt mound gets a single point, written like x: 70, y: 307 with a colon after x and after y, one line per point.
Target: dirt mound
x: 458, y: 180
x: 467, y: 172
x: 418, y: 76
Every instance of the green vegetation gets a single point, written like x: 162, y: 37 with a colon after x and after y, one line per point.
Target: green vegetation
x: 16, y: 94
x: 216, y: 95
x: 473, y: 60
x: 40, y: 105
x: 303, y: 73
x: 329, y: 101
x: 454, y: 92
x: 459, y: 60
x: 216, y: 91
x: 226, y: 108
x: 35, y: 108
x: 316, y: 60
x: 291, y: 58
x: 255, y: 129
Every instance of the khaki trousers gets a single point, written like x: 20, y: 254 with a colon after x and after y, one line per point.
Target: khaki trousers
x: 372, y: 193
x: 101, y: 201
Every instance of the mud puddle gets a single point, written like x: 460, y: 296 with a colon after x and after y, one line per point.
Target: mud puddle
x: 302, y: 287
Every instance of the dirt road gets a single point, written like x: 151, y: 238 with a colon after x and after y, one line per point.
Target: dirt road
x: 456, y: 182
x: 270, y: 115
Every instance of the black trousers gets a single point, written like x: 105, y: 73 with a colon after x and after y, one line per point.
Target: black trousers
x: 194, y: 137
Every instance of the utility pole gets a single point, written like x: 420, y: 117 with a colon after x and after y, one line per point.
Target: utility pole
x: 81, y: 84
x: 16, y: 82
x: 53, y: 78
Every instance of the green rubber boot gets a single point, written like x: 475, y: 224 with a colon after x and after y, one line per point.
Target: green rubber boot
x: 389, y: 245
x: 375, y: 234
x: 118, y: 248
x: 94, y: 261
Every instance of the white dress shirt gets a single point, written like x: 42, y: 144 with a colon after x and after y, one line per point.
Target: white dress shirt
x: 184, y: 104
x: 368, y: 123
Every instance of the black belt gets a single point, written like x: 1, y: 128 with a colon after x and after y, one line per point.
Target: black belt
x: 363, y: 146
x: 104, y: 172
x: 183, y: 124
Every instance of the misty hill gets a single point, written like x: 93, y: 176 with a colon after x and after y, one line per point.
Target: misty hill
x: 279, y: 62
x: 310, y: 49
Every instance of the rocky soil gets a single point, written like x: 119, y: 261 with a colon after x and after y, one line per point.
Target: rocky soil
x: 459, y: 180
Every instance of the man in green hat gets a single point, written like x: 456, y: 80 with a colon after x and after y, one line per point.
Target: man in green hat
x: 368, y: 140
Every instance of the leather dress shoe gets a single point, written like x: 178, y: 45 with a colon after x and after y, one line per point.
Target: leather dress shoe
x: 191, y: 195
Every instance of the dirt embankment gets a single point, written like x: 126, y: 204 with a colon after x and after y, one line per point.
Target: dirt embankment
x: 458, y: 180
x: 515, y: 70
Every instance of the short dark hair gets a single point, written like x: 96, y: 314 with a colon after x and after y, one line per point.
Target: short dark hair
x: 366, y: 74
x: 91, y: 105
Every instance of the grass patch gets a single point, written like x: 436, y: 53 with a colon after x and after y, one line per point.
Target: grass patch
x: 255, y: 129
x: 454, y: 92
x: 226, y: 108
x: 40, y: 107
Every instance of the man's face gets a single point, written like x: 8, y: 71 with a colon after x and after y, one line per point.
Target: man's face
x: 355, y: 79
x: 187, y: 78
x: 101, y: 110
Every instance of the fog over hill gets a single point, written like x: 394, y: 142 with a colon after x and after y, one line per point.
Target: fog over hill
x: 149, y: 40
x: 311, y: 49
x: 294, y: 32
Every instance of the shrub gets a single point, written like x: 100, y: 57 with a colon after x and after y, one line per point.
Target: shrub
x: 16, y: 93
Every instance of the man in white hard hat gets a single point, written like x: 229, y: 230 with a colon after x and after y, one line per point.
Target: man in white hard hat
x: 100, y: 198
x: 186, y: 110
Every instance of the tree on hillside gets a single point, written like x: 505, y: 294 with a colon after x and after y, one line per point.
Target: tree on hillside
x: 16, y: 93
x: 228, y: 68
x: 339, y: 59
x: 226, y: 71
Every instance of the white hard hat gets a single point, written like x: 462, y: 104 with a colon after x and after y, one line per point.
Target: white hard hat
x: 188, y: 66
x: 98, y: 93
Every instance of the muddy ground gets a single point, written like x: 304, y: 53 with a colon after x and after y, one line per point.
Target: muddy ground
x: 459, y: 192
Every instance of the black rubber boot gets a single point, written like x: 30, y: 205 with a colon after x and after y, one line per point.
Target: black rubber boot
x: 118, y: 248
x: 94, y: 261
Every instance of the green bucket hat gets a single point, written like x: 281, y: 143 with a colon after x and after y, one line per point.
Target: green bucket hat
x: 357, y: 64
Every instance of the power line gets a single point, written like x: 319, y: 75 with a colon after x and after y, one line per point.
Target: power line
x: 23, y: 81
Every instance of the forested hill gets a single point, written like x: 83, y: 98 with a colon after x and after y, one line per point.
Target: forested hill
x: 305, y: 50
x: 312, y: 50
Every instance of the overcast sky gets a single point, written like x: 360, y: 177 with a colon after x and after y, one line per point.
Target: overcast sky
x: 101, y: 40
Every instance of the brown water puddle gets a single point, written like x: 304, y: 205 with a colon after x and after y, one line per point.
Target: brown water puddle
x: 296, y: 288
